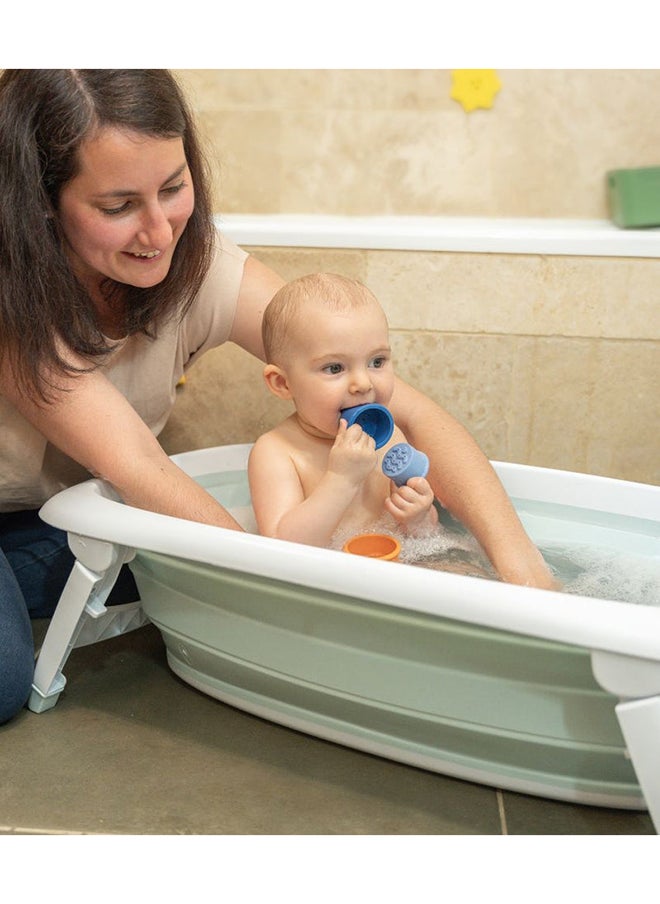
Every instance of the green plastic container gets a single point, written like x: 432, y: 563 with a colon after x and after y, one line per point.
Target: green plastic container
x: 634, y: 197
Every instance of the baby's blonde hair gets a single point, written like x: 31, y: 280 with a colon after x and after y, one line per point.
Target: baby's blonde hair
x: 338, y: 293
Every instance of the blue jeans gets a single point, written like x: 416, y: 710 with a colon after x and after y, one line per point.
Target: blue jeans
x: 35, y: 562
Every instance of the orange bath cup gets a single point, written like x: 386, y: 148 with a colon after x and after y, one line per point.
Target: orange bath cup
x: 375, y: 546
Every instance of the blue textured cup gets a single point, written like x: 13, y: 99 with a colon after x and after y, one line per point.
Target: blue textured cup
x: 374, y: 420
x: 403, y: 461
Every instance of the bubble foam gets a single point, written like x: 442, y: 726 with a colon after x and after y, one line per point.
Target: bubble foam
x: 583, y: 570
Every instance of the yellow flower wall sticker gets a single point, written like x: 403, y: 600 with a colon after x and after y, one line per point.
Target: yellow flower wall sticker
x: 474, y: 88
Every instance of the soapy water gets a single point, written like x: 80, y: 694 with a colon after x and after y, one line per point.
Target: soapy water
x: 581, y: 569
x: 439, y: 549
x: 614, y: 569
x: 601, y: 573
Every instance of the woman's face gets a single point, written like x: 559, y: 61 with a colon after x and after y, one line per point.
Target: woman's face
x: 125, y: 211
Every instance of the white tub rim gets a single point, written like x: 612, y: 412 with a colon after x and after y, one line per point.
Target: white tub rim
x: 92, y: 510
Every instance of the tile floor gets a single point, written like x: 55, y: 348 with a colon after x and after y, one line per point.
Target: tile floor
x: 131, y: 749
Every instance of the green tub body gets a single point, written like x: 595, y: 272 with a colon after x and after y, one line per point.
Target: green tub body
x: 486, y: 705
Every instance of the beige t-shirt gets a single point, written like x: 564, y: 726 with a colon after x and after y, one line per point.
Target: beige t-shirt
x: 145, y: 371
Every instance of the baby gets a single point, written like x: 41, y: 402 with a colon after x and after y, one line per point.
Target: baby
x: 327, y: 348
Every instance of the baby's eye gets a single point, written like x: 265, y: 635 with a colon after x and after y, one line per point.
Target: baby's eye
x: 332, y: 369
x: 380, y: 361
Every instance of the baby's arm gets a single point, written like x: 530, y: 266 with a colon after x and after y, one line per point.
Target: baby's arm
x: 411, y: 505
x: 278, y: 498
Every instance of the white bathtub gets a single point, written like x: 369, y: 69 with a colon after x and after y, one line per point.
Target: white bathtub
x: 534, y: 691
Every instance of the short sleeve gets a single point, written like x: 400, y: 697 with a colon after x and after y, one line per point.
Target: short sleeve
x: 209, y: 320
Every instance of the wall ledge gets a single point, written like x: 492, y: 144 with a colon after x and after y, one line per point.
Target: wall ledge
x: 511, y: 235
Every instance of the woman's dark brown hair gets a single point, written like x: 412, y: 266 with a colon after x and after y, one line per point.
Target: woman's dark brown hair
x: 45, y: 115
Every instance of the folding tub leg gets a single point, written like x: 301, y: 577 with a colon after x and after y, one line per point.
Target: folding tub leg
x: 640, y: 725
x: 636, y: 682
x: 92, y: 578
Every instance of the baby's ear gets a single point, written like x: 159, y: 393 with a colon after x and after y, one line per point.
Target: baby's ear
x: 276, y: 381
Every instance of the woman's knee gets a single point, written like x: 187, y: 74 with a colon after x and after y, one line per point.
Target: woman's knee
x: 16, y: 645
x: 16, y: 673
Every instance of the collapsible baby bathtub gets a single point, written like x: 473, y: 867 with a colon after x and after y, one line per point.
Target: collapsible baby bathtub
x: 535, y: 691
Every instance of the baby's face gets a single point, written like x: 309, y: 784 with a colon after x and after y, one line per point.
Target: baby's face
x: 340, y: 359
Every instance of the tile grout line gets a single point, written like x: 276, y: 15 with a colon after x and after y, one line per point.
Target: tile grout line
x: 500, y: 808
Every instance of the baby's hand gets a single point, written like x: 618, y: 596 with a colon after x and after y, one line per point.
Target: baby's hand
x: 412, y: 504
x: 353, y: 453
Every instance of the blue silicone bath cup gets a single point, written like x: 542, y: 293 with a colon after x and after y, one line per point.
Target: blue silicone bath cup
x: 403, y: 461
x: 374, y: 420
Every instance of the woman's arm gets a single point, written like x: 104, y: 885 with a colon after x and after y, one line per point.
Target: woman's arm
x: 464, y: 480
x: 95, y: 425
x: 258, y: 286
x: 91, y: 422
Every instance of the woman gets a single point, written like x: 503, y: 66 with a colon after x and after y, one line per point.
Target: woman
x: 112, y: 282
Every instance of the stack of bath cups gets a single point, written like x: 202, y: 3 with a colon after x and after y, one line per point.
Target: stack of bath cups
x: 400, y: 463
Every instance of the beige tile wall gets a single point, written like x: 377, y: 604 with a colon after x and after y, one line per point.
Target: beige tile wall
x: 394, y: 142
x: 547, y: 360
